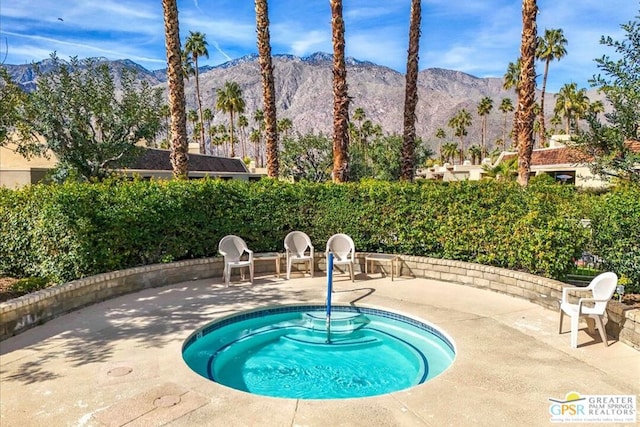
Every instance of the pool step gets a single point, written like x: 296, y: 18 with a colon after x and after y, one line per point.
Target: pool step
x: 318, y: 339
x: 341, y: 322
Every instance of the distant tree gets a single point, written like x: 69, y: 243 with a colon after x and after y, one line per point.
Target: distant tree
x: 12, y: 101
x: 484, y: 109
x: 511, y: 80
x: 441, y: 135
x: 449, y: 150
x: 207, y: 116
x: 526, y: 90
x: 411, y: 94
x: 284, y: 125
x: 506, y: 170
x: 307, y: 157
x: 230, y: 101
x: 196, y: 46
x: 340, y: 96
x: 188, y: 69
x: 258, y: 118
x: 551, y: 46
x: 243, y: 122
x: 89, y: 122
x: 506, y: 106
x: 572, y: 104
x: 175, y: 82
x: 475, y: 152
x: 609, y: 142
x: 268, y: 88
x: 459, y: 123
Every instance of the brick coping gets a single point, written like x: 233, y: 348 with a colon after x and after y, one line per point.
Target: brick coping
x: 20, y: 314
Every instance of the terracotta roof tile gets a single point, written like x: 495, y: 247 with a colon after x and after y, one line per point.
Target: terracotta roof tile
x: 554, y: 156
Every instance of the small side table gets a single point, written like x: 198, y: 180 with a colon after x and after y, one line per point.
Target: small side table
x: 381, y: 258
x: 269, y: 256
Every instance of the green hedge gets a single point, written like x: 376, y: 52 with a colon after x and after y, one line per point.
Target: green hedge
x: 615, y: 222
x: 75, y: 230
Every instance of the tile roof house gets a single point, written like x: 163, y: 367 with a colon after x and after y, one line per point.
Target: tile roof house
x: 16, y: 171
x: 565, y: 164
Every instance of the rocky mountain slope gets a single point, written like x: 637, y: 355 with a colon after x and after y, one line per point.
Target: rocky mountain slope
x: 304, y: 93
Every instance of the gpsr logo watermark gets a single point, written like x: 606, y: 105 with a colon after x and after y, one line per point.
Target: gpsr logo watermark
x: 606, y: 408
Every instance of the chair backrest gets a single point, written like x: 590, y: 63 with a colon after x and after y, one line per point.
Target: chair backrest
x: 232, y: 247
x: 297, y: 243
x: 341, y: 246
x: 602, y: 287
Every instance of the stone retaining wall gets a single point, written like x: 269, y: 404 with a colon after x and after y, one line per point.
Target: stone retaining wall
x: 34, y: 309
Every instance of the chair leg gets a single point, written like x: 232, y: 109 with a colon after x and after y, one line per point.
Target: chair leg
x: 351, y: 271
x: 603, y: 332
x: 561, y: 317
x: 574, y: 331
x: 288, y: 268
x: 251, y: 272
x: 227, y: 275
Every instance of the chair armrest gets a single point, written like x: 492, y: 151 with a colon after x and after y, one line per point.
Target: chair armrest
x: 566, y: 289
x: 250, y: 252
x: 583, y: 300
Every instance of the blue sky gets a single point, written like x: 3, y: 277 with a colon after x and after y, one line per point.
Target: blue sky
x: 479, y: 37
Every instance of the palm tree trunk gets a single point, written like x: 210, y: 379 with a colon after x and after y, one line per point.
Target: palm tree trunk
x: 233, y: 149
x: 543, y: 130
x: 340, y: 97
x: 411, y: 94
x: 199, y: 100
x: 526, y: 90
x: 178, y: 139
x: 268, y: 88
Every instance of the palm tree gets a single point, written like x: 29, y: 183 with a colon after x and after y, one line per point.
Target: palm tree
x: 459, y: 123
x: 506, y: 106
x: 175, y: 81
x: 255, y: 136
x: 196, y: 46
x: 411, y: 94
x: 192, y: 117
x: 511, y: 79
x: 441, y: 135
x: 484, y: 108
x: 571, y: 103
x: 243, y: 122
x: 284, y: 125
x: 503, y: 171
x: 551, y: 46
x: 449, y: 150
x: 207, y: 116
x: 475, y: 152
x: 230, y: 101
x: 268, y: 87
x: 340, y: 96
x: 526, y: 90
x: 187, y: 65
x: 258, y: 117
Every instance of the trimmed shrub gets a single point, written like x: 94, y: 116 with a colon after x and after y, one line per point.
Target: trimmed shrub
x: 75, y: 230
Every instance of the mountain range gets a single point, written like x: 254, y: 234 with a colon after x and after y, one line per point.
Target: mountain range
x: 304, y: 93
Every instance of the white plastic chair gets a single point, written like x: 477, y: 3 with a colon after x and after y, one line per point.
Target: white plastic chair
x: 298, y: 248
x: 232, y: 249
x: 593, y: 308
x: 344, y: 251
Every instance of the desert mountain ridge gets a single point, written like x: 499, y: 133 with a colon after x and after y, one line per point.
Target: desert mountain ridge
x: 304, y: 93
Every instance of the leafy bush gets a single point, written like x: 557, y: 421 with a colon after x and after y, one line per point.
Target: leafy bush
x: 75, y: 230
x: 615, y: 223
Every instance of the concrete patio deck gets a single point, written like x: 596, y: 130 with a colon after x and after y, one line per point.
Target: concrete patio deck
x: 118, y: 363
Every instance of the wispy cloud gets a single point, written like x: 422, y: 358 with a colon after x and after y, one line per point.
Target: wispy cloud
x: 475, y: 36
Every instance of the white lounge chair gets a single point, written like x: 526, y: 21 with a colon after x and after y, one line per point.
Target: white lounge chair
x: 298, y: 249
x: 232, y: 249
x: 593, y: 308
x: 344, y: 251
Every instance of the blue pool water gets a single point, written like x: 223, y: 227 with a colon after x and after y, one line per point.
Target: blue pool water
x: 283, y: 352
